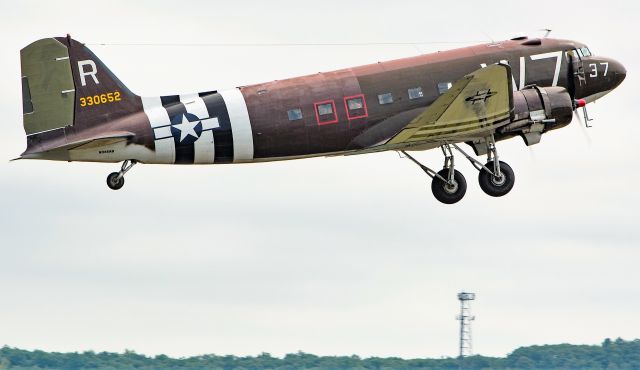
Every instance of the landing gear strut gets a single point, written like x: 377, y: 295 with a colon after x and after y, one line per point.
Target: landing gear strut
x: 496, y: 178
x: 115, y: 180
x: 448, y: 185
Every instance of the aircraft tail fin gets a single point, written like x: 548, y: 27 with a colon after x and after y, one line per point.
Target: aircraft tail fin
x: 66, y: 87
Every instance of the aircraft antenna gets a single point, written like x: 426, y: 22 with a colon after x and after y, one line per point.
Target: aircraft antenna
x: 288, y: 44
x: 465, y: 319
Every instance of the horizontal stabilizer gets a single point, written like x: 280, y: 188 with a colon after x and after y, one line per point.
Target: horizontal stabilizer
x: 85, y: 143
x: 99, y: 140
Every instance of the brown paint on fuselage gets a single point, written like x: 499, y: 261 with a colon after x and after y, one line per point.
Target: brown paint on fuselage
x: 275, y: 136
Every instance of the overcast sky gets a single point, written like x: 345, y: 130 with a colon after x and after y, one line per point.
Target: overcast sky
x: 333, y: 256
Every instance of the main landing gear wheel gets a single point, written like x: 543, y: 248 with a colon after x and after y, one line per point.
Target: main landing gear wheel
x: 115, y: 181
x: 448, y: 186
x: 449, y: 192
x: 496, y: 186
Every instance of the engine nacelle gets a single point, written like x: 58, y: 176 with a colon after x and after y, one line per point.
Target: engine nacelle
x: 538, y: 110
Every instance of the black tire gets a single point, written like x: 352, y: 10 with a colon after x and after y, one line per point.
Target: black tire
x: 497, y: 187
x: 114, y: 184
x: 445, y: 193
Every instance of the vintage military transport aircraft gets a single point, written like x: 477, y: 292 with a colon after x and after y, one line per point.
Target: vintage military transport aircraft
x: 76, y: 109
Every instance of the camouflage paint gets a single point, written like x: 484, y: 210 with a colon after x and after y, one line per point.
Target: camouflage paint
x: 120, y: 130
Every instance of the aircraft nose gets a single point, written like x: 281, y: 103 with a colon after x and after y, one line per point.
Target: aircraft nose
x: 618, y: 71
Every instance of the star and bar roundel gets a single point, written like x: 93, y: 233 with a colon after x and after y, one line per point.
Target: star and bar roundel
x: 190, y: 129
x: 192, y: 136
x: 186, y: 128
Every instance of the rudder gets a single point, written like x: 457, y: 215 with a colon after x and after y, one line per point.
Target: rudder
x: 48, y: 91
x: 65, y: 86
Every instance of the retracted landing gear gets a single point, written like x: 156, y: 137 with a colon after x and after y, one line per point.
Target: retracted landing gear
x: 496, y: 178
x: 448, y: 185
x: 115, y: 180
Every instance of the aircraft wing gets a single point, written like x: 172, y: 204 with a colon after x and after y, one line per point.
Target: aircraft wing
x: 476, y: 103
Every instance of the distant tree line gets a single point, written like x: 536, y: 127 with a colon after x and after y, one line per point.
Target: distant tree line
x: 612, y: 354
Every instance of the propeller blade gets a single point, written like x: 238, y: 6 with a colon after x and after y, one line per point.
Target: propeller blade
x: 571, y: 83
x: 583, y: 127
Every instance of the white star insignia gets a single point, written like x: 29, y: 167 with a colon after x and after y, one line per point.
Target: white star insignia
x: 187, y: 128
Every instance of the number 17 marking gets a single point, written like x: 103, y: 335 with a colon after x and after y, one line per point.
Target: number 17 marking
x: 558, y: 56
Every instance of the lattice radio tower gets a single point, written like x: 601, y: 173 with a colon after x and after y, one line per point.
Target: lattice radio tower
x: 465, y: 318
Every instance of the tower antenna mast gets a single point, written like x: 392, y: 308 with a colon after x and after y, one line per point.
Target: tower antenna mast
x: 465, y: 319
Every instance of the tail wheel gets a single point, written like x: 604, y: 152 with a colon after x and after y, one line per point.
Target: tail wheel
x: 113, y: 182
x: 449, y: 193
x: 497, y: 186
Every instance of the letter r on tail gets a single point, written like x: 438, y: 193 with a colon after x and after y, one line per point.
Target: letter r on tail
x: 91, y: 72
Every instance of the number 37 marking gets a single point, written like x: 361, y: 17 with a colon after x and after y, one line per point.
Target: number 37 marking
x: 594, y: 69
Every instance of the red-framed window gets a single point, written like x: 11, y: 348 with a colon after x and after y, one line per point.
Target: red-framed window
x: 356, y: 106
x: 325, y: 112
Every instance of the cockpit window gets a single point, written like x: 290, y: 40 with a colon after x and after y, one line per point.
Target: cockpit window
x: 586, y: 52
x: 574, y: 54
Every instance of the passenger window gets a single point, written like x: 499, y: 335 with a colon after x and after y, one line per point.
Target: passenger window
x: 294, y: 114
x: 356, y: 106
x: 326, y: 112
x: 415, y: 93
x: 325, y: 109
x: 443, y: 87
x: 385, y: 98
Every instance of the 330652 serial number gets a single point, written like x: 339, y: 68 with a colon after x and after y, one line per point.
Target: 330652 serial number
x: 111, y: 97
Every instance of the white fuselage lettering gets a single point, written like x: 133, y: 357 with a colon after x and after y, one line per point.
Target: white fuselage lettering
x: 92, y: 71
x: 523, y: 68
